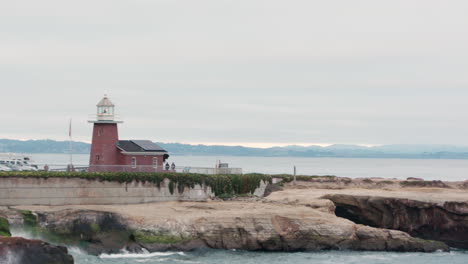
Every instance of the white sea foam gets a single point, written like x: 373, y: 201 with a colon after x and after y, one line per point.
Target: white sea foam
x: 16, y: 232
x: 9, y: 258
x: 144, y: 254
x: 76, y: 251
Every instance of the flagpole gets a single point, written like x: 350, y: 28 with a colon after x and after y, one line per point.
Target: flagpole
x: 71, y: 146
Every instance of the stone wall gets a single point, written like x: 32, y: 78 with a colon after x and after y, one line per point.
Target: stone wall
x: 66, y: 191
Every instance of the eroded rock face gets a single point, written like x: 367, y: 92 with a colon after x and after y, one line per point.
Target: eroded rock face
x: 16, y: 250
x: 109, y: 232
x: 447, y: 222
x: 280, y: 233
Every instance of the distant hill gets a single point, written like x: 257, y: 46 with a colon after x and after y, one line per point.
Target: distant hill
x: 41, y: 146
x: 346, y: 151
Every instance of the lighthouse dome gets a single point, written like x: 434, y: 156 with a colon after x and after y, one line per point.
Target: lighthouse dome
x: 105, y: 102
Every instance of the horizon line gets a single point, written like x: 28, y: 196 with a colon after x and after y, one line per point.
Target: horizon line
x: 262, y: 145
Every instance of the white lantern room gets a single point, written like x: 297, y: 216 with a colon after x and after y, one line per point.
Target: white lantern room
x: 105, y: 110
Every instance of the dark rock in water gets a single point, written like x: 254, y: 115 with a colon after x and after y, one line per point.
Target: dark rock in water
x: 101, y: 232
x: 444, y: 221
x: 16, y: 250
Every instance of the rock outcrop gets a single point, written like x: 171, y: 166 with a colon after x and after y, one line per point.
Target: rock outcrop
x: 282, y: 233
x: 16, y: 250
x: 97, y: 231
x: 443, y: 221
x: 221, y: 225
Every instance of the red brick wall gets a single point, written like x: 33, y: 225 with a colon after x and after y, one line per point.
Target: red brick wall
x: 144, y: 162
x: 103, y: 149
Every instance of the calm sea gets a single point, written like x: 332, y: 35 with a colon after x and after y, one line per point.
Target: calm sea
x: 429, y: 169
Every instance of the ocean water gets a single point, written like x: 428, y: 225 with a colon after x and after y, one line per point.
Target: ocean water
x: 428, y: 169
x: 244, y: 257
x: 211, y: 256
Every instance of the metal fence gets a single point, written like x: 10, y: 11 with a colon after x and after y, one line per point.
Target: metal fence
x: 138, y: 168
x: 209, y: 170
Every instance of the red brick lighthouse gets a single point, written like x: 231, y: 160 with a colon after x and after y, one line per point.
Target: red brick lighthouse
x: 108, y: 153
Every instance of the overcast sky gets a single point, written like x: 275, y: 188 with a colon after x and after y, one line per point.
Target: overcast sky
x: 249, y: 72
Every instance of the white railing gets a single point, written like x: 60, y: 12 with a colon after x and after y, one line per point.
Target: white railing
x: 141, y: 168
x: 202, y: 170
x: 95, y: 117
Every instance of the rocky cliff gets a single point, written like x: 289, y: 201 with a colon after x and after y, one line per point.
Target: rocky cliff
x: 326, y: 214
x: 443, y: 221
x: 258, y: 225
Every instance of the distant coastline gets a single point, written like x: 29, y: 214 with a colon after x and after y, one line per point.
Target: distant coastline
x: 338, y: 151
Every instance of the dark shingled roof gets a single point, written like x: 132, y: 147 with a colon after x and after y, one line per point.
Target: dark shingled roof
x: 139, y: 146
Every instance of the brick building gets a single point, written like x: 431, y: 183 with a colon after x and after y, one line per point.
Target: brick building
x: 108, y: 153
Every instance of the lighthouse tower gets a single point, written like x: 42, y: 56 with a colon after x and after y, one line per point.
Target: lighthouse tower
x: 104, y: 154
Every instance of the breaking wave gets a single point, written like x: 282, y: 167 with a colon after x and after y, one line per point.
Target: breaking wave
x: 142, y: 255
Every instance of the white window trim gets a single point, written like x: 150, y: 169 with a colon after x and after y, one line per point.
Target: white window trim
x: 134, y: 162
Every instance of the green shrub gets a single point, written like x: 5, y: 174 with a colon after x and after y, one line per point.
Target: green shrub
x: 225, y: 196
x: 29, y: 219
x: 150, y: 238
x: 4, y: 227
x: 437, y: 184
x: 95, y: 228
x: 289, y: 178
x: 386, y: 182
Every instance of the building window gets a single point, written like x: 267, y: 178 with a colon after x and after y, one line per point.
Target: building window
x: 155, y: 162
x: 99, y: 132
x: 98, y: 157
x: 134, y: 164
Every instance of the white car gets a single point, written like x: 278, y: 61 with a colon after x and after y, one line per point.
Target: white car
x: 4, y: 168
x: 28, y: 168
